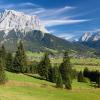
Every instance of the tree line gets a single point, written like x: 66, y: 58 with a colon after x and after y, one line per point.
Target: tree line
x: 62, y: 75
x: 18, y: 63
x: 89, y: 76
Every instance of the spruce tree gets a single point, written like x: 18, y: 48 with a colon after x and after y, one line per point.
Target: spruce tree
x: 86, y: 72
x: 80, y: 77
x: 98, y: 79
x: 66, y: 71
x: 55, y: 73
x: 44, y: 67
x: 3, y: 55
x: 2, y: 72
x: 20, y: 62
x: 59, y: 82
x: 50, y: 74
x: 9, y: 61
x: 2, y: 52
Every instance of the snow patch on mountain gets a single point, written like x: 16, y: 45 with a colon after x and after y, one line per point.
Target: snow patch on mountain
x: 18, y: 21
x: 86, y: 37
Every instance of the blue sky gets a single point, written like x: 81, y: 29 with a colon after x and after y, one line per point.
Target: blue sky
x: 63, y: 18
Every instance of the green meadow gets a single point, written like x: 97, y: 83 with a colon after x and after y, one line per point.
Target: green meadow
x: 23, y: 87
x: 30, y: 87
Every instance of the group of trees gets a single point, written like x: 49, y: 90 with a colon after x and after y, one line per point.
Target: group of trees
x: 15, y: 63
x: 3, y: 78
x: 93, y: 76
x: 61, y: 75
x: 9, y: 62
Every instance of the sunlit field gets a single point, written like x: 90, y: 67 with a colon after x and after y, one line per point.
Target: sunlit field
x: 22, y: 87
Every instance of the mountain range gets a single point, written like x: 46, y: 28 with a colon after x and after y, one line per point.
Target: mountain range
x: 91, y: 40
x: 16, y: 26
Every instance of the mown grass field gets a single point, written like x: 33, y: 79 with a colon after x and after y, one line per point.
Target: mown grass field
x: 22, y: 87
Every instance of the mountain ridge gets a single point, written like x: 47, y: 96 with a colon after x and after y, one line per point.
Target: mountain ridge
x: 91, y: 40
x: 19, y: 21
x: 35, y: 39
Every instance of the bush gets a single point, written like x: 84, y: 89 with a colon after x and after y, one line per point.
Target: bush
x: 86, y: 80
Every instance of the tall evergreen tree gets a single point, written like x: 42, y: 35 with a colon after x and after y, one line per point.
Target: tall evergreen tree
x: 98, y: 79
x: 50, y: 74
x: 2, y: 72
x: 66, y: 71
x: 3, y: 54
x: 55, y: 73
x: 86, y: 72
x: 9, y: 61
x: 80, y: 77
x: 44, y: 67
x: 3, y: 51
x: 59, y: 82
x: 20, y: 61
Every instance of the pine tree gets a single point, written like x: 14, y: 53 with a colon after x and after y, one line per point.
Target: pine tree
x: 3, y: 51
x: 50, y: 74
x: 86, y: 72
x: 9, y: 61
x: 3, y: 54
x: 98, y: 79
x: 55, y: 73
x: 80, y: 77
x: 59, y: 82
x: 20, y: 62
x: 44, y: 66
x: 68, y: 82
x: 66, y: 71
x: 2, y: 72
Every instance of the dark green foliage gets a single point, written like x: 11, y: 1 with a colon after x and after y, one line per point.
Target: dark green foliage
x: 80, y: 77
x: 74, y: 74
x: 20, y: 61
x: 68, y: 82
x: 50, y: 74
x: 3, y: 55
x: 2, y: 52
x: 94, y: 76
x: 55, y: 73
x: 86, y: 72
x: 66, y: 71
x: 32, y: 68
x: 59, y: 82
x: 9, y: 61
x: 2, y: 72
x: 44, y: 67
x: 98, y: 79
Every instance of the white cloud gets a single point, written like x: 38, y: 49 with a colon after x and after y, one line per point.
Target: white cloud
x: 66, y: 36
x: 28, y: 4
x: 49, y: 17
x: 15, y: 6
x: 96, y: 30
x: 50, y: 23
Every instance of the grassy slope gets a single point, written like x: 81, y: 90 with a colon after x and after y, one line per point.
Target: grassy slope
x: 22, y: 87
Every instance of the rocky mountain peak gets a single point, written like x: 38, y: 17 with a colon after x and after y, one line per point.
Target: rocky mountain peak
x: 18, y: 21
x: 86, y: 36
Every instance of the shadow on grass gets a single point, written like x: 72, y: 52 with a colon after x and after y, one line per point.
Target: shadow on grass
x: 42, y: 85
x: 37, y: 77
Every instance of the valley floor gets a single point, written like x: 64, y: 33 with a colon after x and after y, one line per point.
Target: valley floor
x: 22, y: 87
